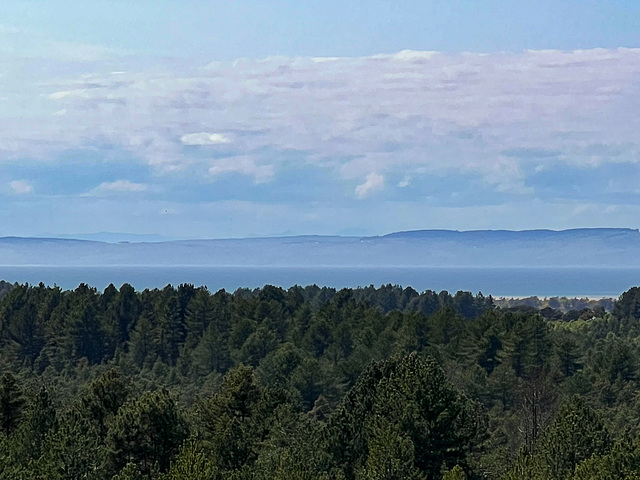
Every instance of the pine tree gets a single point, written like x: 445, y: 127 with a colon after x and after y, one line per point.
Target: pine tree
x: 191, y: 463
x: 86, y: 330
x: 390, y: 454
x: 234, y: 422
x: 40, y: 419
x: 412, y: 393
x: 212, y: 352
x: 103, y: 398
x: 170, y: 332
x: 142, y: 344
x: 146, y: 431
x: 75, y: 450
x: 576, y: 433
x: 198, y: 316
x: 456, y: 473
x: 11, y: 404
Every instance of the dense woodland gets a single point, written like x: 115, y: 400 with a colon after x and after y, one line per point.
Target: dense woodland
x: 314, y: 383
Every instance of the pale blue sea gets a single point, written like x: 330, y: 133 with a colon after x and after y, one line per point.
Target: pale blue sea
x: 570, y: 282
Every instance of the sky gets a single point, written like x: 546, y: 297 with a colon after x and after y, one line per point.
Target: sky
x: 206, y: 119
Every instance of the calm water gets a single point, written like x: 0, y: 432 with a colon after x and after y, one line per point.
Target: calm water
x: 570, y: 282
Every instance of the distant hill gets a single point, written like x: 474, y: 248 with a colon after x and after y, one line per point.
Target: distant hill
x: 597, y: 247
x: 112, y: 237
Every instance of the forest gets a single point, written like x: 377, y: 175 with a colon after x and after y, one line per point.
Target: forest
x: 314, y: 383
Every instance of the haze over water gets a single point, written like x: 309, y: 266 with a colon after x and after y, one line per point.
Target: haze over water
x: 517, y: 282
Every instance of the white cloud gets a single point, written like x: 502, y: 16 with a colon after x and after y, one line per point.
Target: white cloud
x: 244, y: 165
x: 413, y: 55
x: 119, y: 186
x: 373, y: 182
x: 405, y: 182
x: 21, y: 187
x: 401, y: 114
x: 69, y: 94
x: 204, y: 138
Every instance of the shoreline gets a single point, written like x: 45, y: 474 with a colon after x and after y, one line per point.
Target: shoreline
x: 543, y: 298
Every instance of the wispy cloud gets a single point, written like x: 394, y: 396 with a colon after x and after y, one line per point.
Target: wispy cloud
x: 21, y: 187
x: 244, y: 165
x: 372, y: 125
x: 437, y: 112
x: 119, y: 186
x: 204, y: 138
x: 405, y: 182
x: 373, y: 182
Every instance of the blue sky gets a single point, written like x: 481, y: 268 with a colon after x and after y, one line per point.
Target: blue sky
x: 203, y: 119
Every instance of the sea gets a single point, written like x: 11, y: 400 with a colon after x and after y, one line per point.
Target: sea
x: 498, y: 282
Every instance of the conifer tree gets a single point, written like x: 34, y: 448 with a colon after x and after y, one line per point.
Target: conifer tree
x: 40, y: 419
x: 11, y: 404
x: 576, y: 434
x: 198, y: 316
x: 146, y: 431
x: 142, y: 344
x: 170, y: 331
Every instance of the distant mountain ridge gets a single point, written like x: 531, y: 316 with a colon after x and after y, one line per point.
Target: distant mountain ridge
x: 515, y: 234
x: 585, y: 247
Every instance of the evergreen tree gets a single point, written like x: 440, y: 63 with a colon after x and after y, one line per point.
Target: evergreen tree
x: 75, y: 450
x: 576, y: 434
x: 192, y: 463
x: 212, y: 352
x: 412, y: 393
x: 456, y: 473
x: 11, y: 404
x: 40, y: 419
x: 86, y: 331
x: 198, y: 316
x: 170, y: 331
x: 622, y: 462
x: 390, y: 454
x: 103, y: 398
x: 235, y: 421
x: 146, y: 431
x: 142, y: 344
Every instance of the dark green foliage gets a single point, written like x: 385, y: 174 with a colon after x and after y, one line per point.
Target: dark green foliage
x: 576, y: 434
x: 147, y: 432
x: 142, y: 344
x: 103, y: 399
x: 11, y: 404
x: 75, y: 449
x: 628, y: 306
x: 5, y: 288
x: 314, y: 383
x: 456, y: 473
x: 198, y: 315
x: 622, y: 462
x: 85, y: 328
x: 568, y: 354
x: 407, y: 402
x: 40, y: 420
x: 618, y: 359
x: 25, y: 311
x: 390, y: 454
x: 191, y: 462
x: 234, y: 422
x: 170, y: 331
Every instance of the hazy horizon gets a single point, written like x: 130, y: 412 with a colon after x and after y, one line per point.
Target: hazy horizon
x: 123, y: 237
